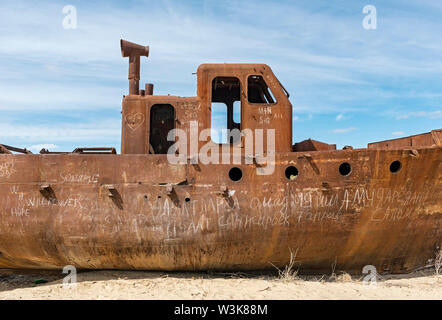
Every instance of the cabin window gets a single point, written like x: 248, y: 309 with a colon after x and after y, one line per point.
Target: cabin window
x: 237, y: 112
x: 258, y: 91
x: 162, y: 120
x: 225, y: 109
x: 219, y: 122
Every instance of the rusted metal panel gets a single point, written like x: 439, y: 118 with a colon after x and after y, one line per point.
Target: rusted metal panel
x: 437, y: 137
x: 376, y: 206
x: 176, y: 217
x: 253, y: 116
x: 312, y: 145
x: 7, y: 149
x: 426, y: 139
x: 3, y: 149
x: 134, y: 133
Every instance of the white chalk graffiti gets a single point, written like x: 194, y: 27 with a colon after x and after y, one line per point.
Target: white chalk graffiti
x: 79, y: 178
x: 161, y: 217
x: 7, y: 169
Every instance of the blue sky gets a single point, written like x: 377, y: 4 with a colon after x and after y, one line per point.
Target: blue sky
x: 348, y: 85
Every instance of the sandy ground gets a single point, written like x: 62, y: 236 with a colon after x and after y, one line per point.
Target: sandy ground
x: 225, y: 286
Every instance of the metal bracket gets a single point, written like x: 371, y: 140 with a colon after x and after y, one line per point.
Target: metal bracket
x: 45, y: 187
x: 111, y: 188
x: 224, y: 190
x: 7, y: 149
x: 257, y: 160
x: 326, y: 186
x: 169, y: 189
x: 47, y: 192
x: 414, y: 153
x: 114, y: 195
x: 305, y: 155
x: 309, y: 158
x: 97, y: 150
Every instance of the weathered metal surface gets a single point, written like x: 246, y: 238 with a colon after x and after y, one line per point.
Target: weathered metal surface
x: 138, y: 211
x: 312, y: 145
x: 7, y: 149
x: 96, y: 150
x: 433, y: 138
x: 392, y: 221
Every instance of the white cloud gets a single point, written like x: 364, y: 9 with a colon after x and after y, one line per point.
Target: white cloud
x: 301, y: 117
x: 57, y: 96
x: 339, y: 117
x: 55, y: 132
x: 426, y: 114
x: 322, y: 56
x: 38, y: 147
x: 344, y: 130
x: 398, y: 133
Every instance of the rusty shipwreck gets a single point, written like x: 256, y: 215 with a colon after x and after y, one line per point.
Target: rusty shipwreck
x: 96, y: 209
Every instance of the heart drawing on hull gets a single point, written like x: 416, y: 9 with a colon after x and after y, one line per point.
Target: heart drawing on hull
x: 134, y: 120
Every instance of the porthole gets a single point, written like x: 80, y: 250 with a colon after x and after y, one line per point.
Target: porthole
x: 291, y: 173
x: 345, y: 169
x: 235, y: 174
x: 395, y: 166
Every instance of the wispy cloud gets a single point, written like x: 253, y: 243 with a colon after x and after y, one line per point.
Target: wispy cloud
x: 38, y: 147
x: 56, y: 132
x: 339, y: 117
x: 318, y: 50
x: 65, y: 135
x: 344, y: 130
x: 398, y: 133
x: 303, y: 117
x: 426, y: 114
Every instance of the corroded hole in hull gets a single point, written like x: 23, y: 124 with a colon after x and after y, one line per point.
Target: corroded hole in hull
x: 395, y: 166
x: 235, y: 174
x: 345, y: 169
x: 291, y: 173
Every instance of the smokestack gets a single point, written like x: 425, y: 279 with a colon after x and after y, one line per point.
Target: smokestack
x: 134, y: 52
x: 149, y: 89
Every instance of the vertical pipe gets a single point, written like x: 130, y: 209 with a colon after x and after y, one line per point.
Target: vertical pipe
x: 149, y: 89
x: 134, y: 75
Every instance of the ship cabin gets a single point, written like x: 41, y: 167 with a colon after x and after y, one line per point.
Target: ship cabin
x: 235, y: 96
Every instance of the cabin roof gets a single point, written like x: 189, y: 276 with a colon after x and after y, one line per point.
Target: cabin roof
x: 231, y: 67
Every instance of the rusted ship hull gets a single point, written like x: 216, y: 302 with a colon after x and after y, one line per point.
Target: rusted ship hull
x: 378, y: 206
x: 141, y: 212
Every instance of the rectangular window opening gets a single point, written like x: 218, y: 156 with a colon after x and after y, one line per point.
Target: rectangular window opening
x: 225, y: 109
x: 258, y: 92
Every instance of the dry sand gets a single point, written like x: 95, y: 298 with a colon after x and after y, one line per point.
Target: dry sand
x: 225, y: 286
